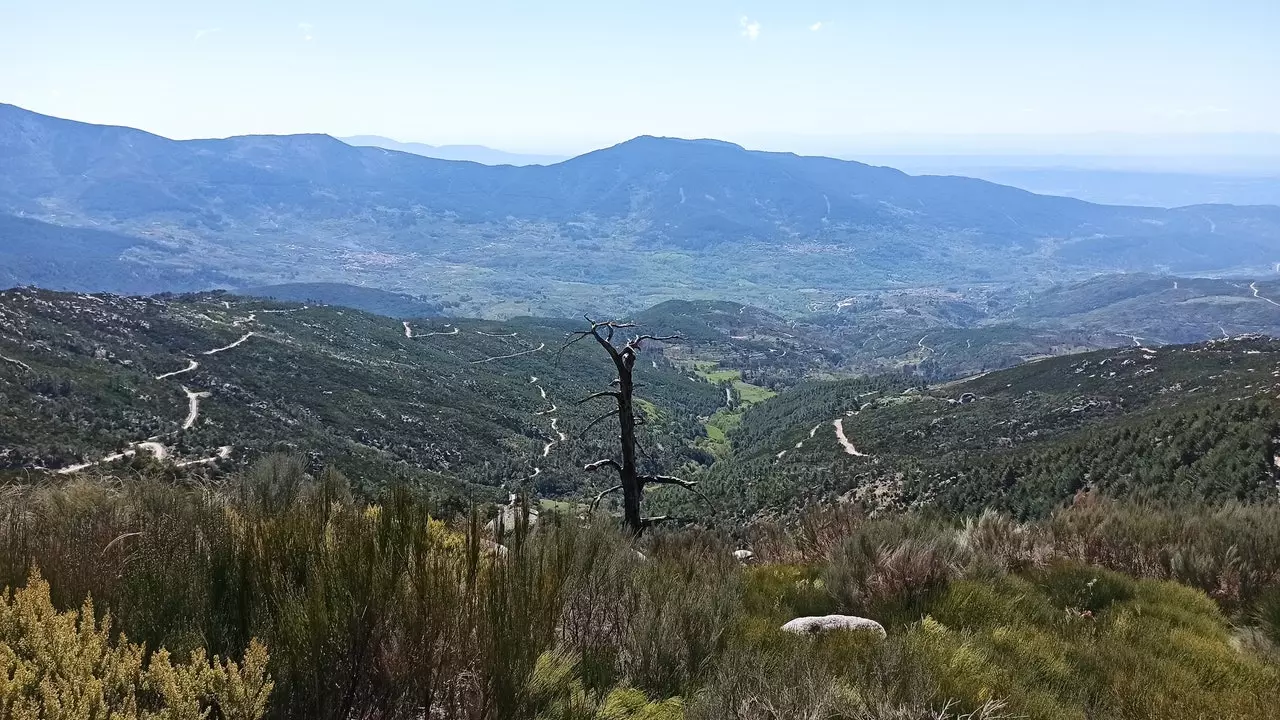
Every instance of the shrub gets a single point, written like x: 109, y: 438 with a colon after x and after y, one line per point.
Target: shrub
x: 1085, y: 589
x: 65, y: 665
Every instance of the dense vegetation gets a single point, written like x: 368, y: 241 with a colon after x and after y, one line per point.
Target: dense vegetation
x: 473, y: 409
x: 389, y: 610
x: 1185, y: 423
x: 461, y: 406
x: 1085, y: 536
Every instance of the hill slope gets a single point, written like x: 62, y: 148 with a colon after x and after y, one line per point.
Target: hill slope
x: 1174, y: 423
x: 215, y: 380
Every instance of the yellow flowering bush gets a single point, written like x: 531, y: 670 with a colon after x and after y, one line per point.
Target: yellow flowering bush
x: 64, y: 666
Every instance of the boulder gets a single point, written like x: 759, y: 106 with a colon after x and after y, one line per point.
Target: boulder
x: 822, y: 624
x: 744, y: 556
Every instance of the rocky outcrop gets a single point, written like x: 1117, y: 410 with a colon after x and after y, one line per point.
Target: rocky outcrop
x: 822, y: 624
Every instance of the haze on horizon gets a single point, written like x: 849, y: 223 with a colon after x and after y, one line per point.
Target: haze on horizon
x: 989, y: 76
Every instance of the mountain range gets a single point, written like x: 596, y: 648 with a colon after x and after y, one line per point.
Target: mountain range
x: 464, y: 153
x: 631, y: 225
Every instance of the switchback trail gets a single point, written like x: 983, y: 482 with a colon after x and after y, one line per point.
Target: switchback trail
x: 233, y: 345
x: 508, y: 357
x: 193, y: 407
x: 19, y: 363
x: 409, y: 333
x: 1254, y: 287
x: 224, y: 453
x: 176, y: 373
x: 160, y: 451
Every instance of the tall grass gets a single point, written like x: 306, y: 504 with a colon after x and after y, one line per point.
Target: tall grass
x: 380, y: 609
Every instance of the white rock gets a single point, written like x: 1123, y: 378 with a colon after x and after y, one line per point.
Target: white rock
x: 744, y: 556
x: 830, y: 623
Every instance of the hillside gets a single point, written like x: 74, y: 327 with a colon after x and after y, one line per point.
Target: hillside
x: 934, y: 334
x: 72, y: 258
x: 1174, y: 423
x: 371, y: 300
x: 217, y: 380
x: 621, y: 228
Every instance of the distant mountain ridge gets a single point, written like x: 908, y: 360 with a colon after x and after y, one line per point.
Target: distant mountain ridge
x: 732, y: 222
x: 465, y: 153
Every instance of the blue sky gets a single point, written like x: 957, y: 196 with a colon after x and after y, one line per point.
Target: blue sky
x: 559, y: 76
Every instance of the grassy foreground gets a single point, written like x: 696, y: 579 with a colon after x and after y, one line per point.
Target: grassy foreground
x: 384, y: 611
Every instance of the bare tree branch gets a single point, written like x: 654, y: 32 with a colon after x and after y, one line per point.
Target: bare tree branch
x: 600, y: 497
x: 607, y: 462
x: 636, y: 341
x: 655, y: 520
x: 603, y: 393
x: 690, y: 485
x: 592, y: 424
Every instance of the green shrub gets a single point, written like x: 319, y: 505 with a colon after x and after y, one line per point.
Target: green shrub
x: 1084, y: 589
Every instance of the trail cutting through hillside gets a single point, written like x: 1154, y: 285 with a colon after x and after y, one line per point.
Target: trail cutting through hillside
x: 409, y: 333
x: 232, y: 346
x: 555, y: 428
x: 540, y: 347
x: 1254, y: 287
x: 193, y: 406
x: 812, y: 432
x: 190, y: 368
x: 158, y: 449
x: 224, y: 453
x: 844, y: 441
x: 19, y: 363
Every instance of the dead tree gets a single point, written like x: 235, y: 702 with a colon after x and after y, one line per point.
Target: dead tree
x: 630, y: 482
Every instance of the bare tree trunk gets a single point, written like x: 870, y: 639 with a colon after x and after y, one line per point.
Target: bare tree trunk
x: 630, y: 481
x: 627, y: 436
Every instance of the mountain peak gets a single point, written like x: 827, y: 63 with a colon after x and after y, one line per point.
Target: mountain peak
x: 652, y: 141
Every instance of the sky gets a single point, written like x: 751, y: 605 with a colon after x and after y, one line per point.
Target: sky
x: 561, y: 76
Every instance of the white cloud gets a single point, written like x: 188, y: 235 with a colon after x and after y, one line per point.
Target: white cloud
x: 205, y: 32
x: 306, y: 29
x: 816, y: 26
x: 750, y: 28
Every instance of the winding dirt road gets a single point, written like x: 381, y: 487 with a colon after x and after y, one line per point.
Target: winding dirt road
x: 160, y: 451
x: 193, y: 406
x: 175, y: 373
x: 1254, y: 287
x: 844, y: 441
x: 232, y: 346
x: 224, y: 453
x: 19, y: 363
x: 193, y: 414
x: 540, y: 347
